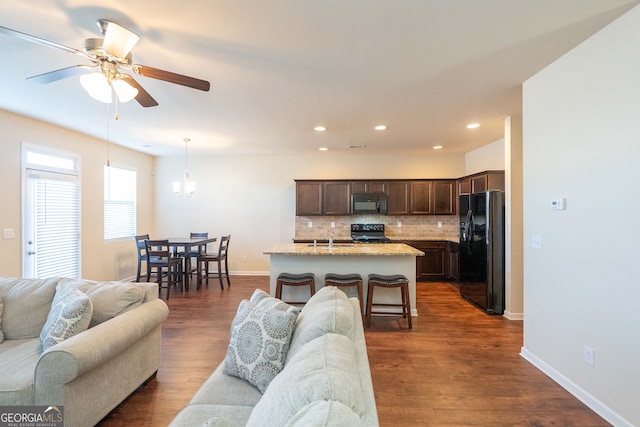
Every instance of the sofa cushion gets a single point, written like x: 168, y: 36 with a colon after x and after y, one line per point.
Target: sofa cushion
x: 109, y: 299
x: 18, y: 359
x: 26, y: 306
x: 199, y: 415
x: 329, y: 310
x: 325, y: 413
x: 324, y: 369
x: 70, y: 314
x: 259, y: 342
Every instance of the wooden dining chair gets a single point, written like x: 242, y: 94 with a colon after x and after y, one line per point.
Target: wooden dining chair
x: 159, y: 257
x: 194, y: 252
x: 202, y: 263
x: 142, y: 253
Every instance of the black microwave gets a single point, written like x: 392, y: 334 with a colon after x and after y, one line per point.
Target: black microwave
x: 369, y: 203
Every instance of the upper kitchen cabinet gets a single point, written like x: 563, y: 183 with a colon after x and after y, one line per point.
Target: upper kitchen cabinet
x: 421, y: 201
x: 398, y: 197
x: 323, y: 198
x: 368, y: 186
x: 433, y: 197
x: 444, y: 197
x: 309, y: 196
x: 481, y: 182
x: 337, y: 198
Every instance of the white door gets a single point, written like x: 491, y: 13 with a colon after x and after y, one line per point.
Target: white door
x: 52, y: 225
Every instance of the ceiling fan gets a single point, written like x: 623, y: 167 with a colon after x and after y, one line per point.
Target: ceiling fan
x: 108, y: 56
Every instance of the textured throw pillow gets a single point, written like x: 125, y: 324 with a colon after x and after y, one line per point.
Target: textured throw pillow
x: 1, y: 333
x: 262, y: 298
x: 259, y: 343
x: 70, y: 314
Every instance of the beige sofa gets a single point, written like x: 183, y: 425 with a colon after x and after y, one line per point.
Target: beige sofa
x: 325, y: 381
x: 86, y: 357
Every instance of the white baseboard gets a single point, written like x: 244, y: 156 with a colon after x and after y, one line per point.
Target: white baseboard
x: 513, y: 316
x: 598, y: 407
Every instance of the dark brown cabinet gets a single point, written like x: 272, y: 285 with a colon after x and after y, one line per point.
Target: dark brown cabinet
x: 309, y: 196
x: 454, y: 272
x: 481, y: 182
x: 404, y: 197
x: 368, y: 186
x: 337, y: 198
x: 421, y: 203
x: 431, y: 266
x: 323, y: 198
x: 398, y: 197
x: 445, y: 197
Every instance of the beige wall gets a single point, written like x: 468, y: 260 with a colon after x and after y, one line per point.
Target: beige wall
x: 100, y: 260
x: 253, y: 198
x: 580, y: 142
x: 487, y: 157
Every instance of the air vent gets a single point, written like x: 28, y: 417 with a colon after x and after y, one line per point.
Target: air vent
x: 357, y: 146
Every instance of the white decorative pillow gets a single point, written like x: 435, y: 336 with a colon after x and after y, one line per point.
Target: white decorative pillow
x: 70, y: 314
x: 262, y: 298
x: 259, y: 343
x: 1, y: 333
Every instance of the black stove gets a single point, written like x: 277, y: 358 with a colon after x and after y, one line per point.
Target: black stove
x: 368, y: 233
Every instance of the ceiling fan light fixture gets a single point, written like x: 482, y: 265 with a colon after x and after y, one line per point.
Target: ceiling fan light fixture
x: 97, y: 87
x: 118, y: 41
x: 124, y: 90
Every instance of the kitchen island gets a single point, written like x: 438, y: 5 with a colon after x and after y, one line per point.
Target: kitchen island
x: 345, y: 258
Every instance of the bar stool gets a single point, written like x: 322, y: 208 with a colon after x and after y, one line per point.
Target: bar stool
x: 296, y: 280
x: 346, y: 281
x: 391, y: 281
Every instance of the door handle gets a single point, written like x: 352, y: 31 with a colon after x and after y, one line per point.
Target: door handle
x: 31, y: 253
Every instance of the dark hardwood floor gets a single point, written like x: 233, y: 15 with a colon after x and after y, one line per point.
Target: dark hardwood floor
x: 456, y: 367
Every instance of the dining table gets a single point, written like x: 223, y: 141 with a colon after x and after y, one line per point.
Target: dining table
x: 188, y: 243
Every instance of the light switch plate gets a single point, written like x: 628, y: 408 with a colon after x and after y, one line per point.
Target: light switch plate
x: 8, y: 233
x: 536, y: 241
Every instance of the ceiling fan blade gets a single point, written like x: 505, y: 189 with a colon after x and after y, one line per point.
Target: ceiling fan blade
x: 170, y: 77
x: 143, y: 96
x: 63, y: 73
x: 44, y: 42
x: 118, y: 41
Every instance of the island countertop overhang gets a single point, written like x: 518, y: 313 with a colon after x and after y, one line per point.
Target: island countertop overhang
x: 344, y: 249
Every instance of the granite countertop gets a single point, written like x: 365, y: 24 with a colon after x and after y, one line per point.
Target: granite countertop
x: 455, y: 239
x: 369, y: 249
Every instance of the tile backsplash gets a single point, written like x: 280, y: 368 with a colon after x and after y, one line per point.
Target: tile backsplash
x: 415, y: 227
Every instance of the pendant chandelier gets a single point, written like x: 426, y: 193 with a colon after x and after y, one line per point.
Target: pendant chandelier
x: 186, y: 187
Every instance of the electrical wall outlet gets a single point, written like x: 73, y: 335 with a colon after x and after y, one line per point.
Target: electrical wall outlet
x: 439, y: 224
x: 333, y: 224
x: 589, y: 356
x: 399, y: 224
x: 8, y: 233
x: 310, y: 224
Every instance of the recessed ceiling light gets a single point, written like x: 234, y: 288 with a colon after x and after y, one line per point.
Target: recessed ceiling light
x: 437, y: 147
x: 320, y: 128
x: 323, y: 149
x: 473, y: 125
x: 380, y: 127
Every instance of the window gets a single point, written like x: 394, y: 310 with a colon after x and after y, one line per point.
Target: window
x: 119, y: 203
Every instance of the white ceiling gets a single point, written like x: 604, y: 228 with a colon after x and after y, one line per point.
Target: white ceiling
x: 278, y: 68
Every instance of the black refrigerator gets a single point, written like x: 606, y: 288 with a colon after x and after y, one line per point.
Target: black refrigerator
x: 481, y: 254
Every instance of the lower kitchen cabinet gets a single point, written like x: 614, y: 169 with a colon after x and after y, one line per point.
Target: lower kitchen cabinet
x: 454, y: 272
x: 440, y: 260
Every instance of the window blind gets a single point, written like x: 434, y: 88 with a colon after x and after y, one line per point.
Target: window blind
x: 119, y: 203
x: 57, y: 231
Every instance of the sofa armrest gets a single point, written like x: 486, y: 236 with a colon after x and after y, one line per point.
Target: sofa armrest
x: 72, y: 358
